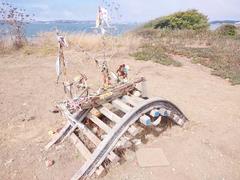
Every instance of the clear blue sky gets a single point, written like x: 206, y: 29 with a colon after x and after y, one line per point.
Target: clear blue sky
x: 131, y: 10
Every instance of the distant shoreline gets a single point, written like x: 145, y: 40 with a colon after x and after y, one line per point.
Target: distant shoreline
x: 36, y: 27
x: 75, y: 26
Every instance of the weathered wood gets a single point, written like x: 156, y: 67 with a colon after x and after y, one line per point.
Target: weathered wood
x: 96, y: 141
x: 121, y: 105
x: 108, y: 96
x: 85, y: 152
x: 100, y: 170
x: 99, y: 123
x: 74, y: 122
x: 113, y: 117
x: 91, y: 136
x: 73, y: 128
x: 129, y: 100
x: 157, y: 121
x: 80, y: 146
x: 137, y: 99
x: 113, y: 157
x: 95, y: 112
x: 133, y: 130
x: 109, y: 114
x: 123, y: 143
x: 136, y: 93
x: 58, y: 136
x: 65, y: 130
x: 180, y: 122
x: 113, y: 137
x: 144, y: 89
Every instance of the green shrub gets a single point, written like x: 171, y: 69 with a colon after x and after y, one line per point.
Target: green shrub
x: 156, y: 54
x: 191, y: 19
x: 227, y: 30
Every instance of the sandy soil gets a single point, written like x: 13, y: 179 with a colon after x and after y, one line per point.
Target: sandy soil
x: 208, y: 147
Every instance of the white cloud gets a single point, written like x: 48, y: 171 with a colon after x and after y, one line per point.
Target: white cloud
x: 132, y: 10
x: 143, y: 10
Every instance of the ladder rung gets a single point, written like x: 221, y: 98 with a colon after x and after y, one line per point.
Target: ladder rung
x: 109, y: 114
x: 99, y: 123
x: 80, y: 146
x: 129, y: 100
x: 121, y: 105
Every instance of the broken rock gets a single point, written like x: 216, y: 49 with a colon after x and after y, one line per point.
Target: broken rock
x: 49, y: 163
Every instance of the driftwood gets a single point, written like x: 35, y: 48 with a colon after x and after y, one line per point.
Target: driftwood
x: 107, y: 96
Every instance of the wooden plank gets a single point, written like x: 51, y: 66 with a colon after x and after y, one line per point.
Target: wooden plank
x: 123, y: 143
x: 134, y: 130
x: 99, y: 123
x: 97, y: 141
x: 157, y: 121
x: 113, y: 157
x: 80, y: 146
x: 69, y: 127
x: 111, y: 140
x: 76, y: 122
x: 178, y: 120
x: 109, y: 114
x: 95, y: 112
x: 85, y: 152
x: 129, y: 100
x: 113, y: 117
x: 121, y: 105
x: 100, y: 170
x: 136, y: 93
x: 137, y: 99
x: 144, y: 89
x: 117, y: 92
x: 58, y: 136
x: 91, y: 136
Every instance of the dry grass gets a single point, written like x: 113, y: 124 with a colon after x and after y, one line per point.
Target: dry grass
x: 95, y: 43
x: 6, y: 45
x: 221, y: 53
x: 46, y: 44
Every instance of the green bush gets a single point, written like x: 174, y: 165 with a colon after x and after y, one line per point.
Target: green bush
x: 227, y: 30
x: 191, y: 19
x: 156, y: 54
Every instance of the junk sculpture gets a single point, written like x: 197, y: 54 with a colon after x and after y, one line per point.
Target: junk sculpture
x: 102, y: 124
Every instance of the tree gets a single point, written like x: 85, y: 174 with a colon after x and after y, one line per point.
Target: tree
x: 15, y: 19
x: 191, y: 19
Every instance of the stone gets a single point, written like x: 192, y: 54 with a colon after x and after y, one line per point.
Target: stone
x: 49, y: 163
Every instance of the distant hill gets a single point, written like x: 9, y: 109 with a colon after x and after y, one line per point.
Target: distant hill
x: 64, y: 21
x: 224, y: 22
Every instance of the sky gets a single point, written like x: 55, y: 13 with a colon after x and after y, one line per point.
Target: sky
x: 129, y: 11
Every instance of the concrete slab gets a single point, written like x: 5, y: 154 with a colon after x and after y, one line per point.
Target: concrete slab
x: 151, y: 157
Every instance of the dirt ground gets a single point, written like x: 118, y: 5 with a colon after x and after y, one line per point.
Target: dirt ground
x: 208, y: 147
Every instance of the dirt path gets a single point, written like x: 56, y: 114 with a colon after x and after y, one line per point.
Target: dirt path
x: 206, y: 148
